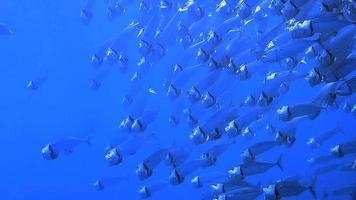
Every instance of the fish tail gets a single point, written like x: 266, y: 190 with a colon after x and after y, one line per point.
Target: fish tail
x: 279, y: 162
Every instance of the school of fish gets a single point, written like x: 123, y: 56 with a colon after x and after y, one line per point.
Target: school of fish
x: 232, y: 62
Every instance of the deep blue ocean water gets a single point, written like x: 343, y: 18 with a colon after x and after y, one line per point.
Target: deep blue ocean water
x: 52, y: 46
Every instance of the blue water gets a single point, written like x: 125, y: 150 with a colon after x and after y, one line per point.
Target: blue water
x: 52, y: 46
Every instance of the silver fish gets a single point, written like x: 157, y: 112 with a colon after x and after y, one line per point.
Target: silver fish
x: 319, y: 140
x: 65, y: 146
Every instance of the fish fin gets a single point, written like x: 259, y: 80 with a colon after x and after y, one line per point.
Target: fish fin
x: 279, y: 162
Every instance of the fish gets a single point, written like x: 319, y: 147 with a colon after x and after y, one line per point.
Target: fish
x: 251, y: 152
x: 289, y: 187
x: 254, y: 167
x: 211, y: 155
x: 116, y: 155
x: 178, y: 155
x: 287, y: 113
x: 145, y: 168
x: 244, y: 193
x: 340, y: 150
x: 317, y: 141
x: 65, y: 146
x: 229, y: 186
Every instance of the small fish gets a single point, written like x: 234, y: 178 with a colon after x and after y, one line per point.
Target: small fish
x: 108, y: 182
x: 251, y: 152
x: 211, y: 155
x: 322, y: 24
x: 66, y: 146
x: 320, y: 160
x: 116, y: 155
x: 243, y: 193
x: 288, y: 187
x: 319, y: 140
x: 229, y: 185
x: 253, y: 168
x: 178, y: 155
x: 292, y: 48
x: 343, y: 149
x: 287, y: 113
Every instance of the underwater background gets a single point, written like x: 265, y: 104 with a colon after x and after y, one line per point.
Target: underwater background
x: 51, y: 90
